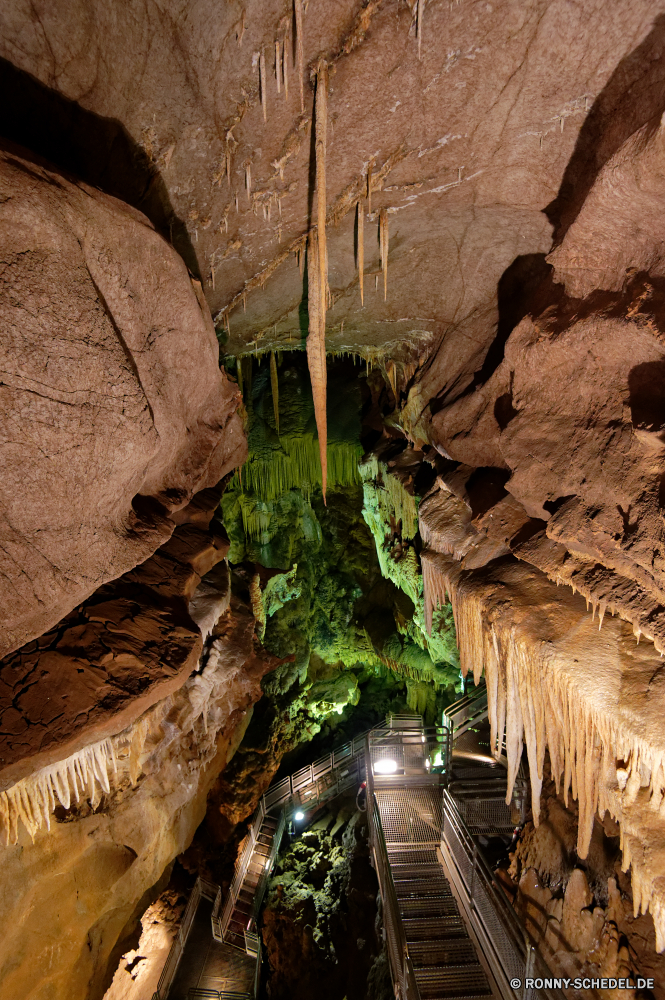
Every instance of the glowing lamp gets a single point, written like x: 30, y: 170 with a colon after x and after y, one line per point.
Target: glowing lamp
x: 299, y: 816
x: 385, y: 766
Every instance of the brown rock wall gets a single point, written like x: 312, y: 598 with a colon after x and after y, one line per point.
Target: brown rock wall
x: 129, y: 646
x: 114, y: 411
x: 68, y: 896
x: 582, y: 917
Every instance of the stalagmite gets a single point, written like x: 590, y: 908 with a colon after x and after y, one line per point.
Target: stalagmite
x: 278, y: 67
x: 301, y: 58
x: 383, y: 244
x: 275, y: 389
x: 361, y: 249
x: 248, y: 182
x: 262, y: 74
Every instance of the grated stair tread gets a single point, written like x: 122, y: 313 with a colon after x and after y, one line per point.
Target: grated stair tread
x: 452, y: 979
x: 435, y: 906
x: 398, y: 855
x: 456, y: 951
x: 459, y: 996
x: 429, y: 928
x: 421, y: 888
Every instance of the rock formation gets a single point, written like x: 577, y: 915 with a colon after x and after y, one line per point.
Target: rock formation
x: 323, y: 895
x: 160, y: 166
x: 110, y: 422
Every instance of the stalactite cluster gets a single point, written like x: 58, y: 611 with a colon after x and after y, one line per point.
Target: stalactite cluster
x: 83, y: 776
x: 544, y: 698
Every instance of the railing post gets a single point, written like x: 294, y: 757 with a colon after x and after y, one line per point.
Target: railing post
x: 528, y: 968
x: 474, y: 864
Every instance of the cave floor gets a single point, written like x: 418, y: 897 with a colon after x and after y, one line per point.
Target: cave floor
x: 207, y: 964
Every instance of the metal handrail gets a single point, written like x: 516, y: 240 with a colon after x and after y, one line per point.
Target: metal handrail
x: 265, y: 874
x: 292, y: 787
x: 398, y: 949
x: 484, y: 872
x: 201, y: 890
x: 196, y: 992
x: 481, y: 876
x: 257, y: 971
x: 466, y: 712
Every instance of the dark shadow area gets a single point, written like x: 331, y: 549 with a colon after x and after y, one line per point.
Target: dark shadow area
x: 633, y: 96
x: 485, y: 488
x: 504, y: 411
x: 646, y: 396
x: 661, y: 492
x: 554, y: 506
x: 94, y: 149
x: 528, y: 531
x: 517, y: 296
x: 525, y: 288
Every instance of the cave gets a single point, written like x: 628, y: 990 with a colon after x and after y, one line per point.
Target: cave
x: 333, y: 477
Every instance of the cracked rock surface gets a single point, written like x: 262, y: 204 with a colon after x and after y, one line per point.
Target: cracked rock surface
x: 114, y: 411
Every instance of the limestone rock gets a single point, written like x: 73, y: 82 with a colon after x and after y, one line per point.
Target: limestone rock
x: 127, y: 647
x: 92, y: 871
x: 138, y: 973
x: 114, y: 411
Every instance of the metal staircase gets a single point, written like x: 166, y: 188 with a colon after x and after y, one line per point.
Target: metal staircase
x: 248, y: 888
x: 450, y: 930
x: 235, y: 922
x: 432, y: 955
x: 476, y: 780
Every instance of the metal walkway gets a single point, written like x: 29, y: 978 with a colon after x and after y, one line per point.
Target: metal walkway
x: 451, y: 932
x: 237, y: 925
x: 422, y: 918
x: 235, y: 922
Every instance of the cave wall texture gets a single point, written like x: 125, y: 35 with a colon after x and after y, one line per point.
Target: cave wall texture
x: 152, y: 190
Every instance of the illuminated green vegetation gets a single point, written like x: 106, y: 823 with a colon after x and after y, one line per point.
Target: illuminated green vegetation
x: 339, y: 586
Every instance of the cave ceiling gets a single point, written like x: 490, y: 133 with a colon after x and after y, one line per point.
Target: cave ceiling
x: 497, y: 466
x: 467, y: 129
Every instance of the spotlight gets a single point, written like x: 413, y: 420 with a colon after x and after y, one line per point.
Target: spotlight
x: 385, y: 766
x: 299, y: 816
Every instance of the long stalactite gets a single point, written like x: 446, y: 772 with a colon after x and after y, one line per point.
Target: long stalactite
x: 316, y: 353
x: 317, y: 279
x: 299, y: 50
x: 274, y: 384
x: 383, y: 243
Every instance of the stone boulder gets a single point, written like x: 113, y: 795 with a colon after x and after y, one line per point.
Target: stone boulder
x: 114, y: 409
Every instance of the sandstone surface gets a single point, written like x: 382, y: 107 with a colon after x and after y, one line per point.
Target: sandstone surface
x: 130, y: 645
x: 114, y: 411
x: 71, y: 896
x: 512, y: 154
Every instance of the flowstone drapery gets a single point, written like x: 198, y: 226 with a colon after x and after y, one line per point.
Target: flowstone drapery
x: 593, y: 699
